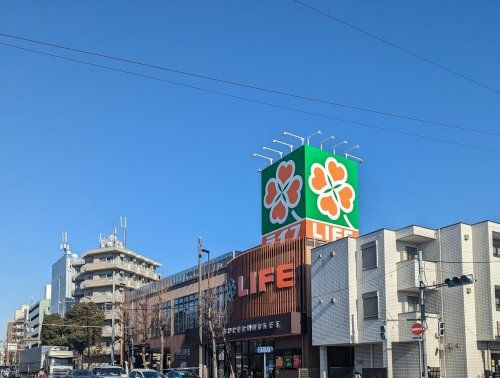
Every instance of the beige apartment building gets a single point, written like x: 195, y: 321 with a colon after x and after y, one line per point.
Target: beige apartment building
x: 103, y: 276
x: 360, y: 285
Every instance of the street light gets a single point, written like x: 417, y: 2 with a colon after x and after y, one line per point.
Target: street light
x: 201, y: 250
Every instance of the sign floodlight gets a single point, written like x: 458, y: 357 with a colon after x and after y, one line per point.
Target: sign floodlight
x: 270, y: 159
x: 347, y: 156
x: 284, y: 144
x: 325, y: 140
x: 308, y: 139
x: 338, y: 145
x: 302, y: 139
x: 280, y: 153
x: 356, y: 147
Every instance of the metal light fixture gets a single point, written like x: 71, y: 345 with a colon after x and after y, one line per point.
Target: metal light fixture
x: 302, y: 139
x: 338, y: 145
x: 270, y: 159
x: 284, y: 144
x: 280, y: 153
x: 356, y: 147
x: 325, y: 140
x: 308, y: 139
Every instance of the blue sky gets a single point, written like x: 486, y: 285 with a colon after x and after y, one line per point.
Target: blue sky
x: 80, y: 146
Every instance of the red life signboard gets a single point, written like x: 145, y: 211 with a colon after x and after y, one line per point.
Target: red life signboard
x: 417, y: 330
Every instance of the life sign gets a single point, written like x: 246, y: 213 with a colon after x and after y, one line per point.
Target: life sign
x: 282, y: 276
x: 309, y: 193
x: 264, y: 349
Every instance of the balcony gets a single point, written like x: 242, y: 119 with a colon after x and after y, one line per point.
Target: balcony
x: 415, y: 234
x: 103, y: 298
x: 408, y: 275
x: 118, y: 265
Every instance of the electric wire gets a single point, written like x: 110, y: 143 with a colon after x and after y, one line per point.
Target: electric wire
x: 247, y: 99
x: 254, y: 87
x: 398, y: 47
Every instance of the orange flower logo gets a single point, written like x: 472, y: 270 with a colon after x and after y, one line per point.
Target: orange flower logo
x: 329, y: 182
x: 283, y: 192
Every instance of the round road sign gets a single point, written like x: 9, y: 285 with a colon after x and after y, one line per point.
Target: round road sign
x: 416, y: 329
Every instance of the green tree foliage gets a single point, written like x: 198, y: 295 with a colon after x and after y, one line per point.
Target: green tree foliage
x: 84, y: 326
x: 53, y: 335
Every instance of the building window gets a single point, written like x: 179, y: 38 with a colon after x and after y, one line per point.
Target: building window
x: 410, y: 253
x: 412, y: 303
x: 496, y: 247
x: 497, y: 297
x: 369, y: 255
x: 370, y: 305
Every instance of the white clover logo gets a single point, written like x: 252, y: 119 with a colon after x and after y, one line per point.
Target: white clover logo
x: 335, y: 195
x: 283, y: 192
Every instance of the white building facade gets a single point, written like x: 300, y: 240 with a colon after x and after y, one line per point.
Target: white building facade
x: 103, y: 276
x: 359, y: 285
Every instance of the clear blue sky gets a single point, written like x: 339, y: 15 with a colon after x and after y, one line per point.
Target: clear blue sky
x: 80, y: 146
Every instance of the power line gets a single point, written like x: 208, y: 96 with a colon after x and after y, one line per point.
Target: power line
x: 269, y: 104
x: 398, y: 47
x: 257, y: 88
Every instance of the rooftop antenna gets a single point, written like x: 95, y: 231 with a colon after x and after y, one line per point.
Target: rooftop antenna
x: 338, y: 145
x: 264, y: 157
x: 325, y: 140
x: 353, y: 157
x: 356, y: 147
x: 123, y: 226
x: 302, y: 139
x: 308, y: 139
x: 280, y: 153
x: 284, y: 144
x: 64, y: 243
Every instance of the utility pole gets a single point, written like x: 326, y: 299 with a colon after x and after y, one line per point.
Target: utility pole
x: 421, y: 288
x: 200, y: 317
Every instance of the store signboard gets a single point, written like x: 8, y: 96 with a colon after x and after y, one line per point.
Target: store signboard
x: 265, y: 326
x: 312, y: 193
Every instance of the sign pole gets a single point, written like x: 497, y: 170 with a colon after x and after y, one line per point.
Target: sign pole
x: 265, y: 367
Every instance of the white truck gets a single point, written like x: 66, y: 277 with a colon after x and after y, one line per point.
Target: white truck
x: 48, y: 361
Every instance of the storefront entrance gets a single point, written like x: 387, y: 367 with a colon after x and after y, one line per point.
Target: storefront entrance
x: 285, y: 359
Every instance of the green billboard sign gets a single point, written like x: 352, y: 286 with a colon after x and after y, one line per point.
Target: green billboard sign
x: 310, y: 192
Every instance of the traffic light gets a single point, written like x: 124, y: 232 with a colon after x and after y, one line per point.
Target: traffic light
x: 441, y: 329
x: 383, y: 332
x: 466, y: 279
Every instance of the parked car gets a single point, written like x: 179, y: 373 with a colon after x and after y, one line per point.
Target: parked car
x: 109, y: 372
x: 145, y: 373
x: 79, y: 373
x: 180, y: 373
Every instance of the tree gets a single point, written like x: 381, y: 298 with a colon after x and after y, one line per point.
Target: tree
x: 216, y: 310
x: 143, y: 327
x: 51, y: 333
x: 84, y: 327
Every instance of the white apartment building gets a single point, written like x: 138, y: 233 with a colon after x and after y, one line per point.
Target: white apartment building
x: 103, y: 276
x: 36, y: 314
x: 359, y: 285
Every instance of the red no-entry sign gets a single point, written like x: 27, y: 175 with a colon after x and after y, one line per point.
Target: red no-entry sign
x: 416, y: 329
